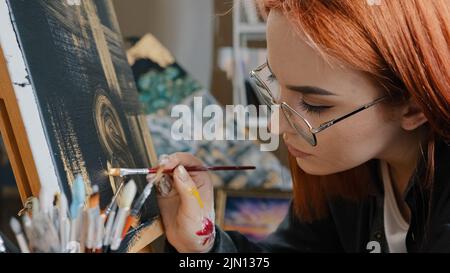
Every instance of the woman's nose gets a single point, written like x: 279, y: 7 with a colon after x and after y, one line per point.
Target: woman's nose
x: 278, y: 123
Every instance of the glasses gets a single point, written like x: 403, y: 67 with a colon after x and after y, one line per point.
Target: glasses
x: 269, y: 91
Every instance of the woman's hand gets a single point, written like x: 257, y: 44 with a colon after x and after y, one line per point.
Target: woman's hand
x: 186, y: 203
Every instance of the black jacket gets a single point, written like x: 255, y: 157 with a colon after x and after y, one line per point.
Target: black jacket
x: 359, y: 227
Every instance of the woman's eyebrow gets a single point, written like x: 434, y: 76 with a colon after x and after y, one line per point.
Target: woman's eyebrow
x: 310, y: 90
x: 306, y: 90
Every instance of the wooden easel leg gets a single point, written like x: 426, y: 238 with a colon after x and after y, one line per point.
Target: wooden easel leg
x: 15, y: 137
x: 12, y: 150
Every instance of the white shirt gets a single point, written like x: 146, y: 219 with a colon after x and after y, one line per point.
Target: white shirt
x: 395, y: 225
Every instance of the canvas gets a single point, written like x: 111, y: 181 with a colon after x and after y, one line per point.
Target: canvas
x: 79, y: 91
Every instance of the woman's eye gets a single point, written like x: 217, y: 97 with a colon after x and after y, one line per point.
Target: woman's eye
x: 271, y: 78
x: 315, y: 109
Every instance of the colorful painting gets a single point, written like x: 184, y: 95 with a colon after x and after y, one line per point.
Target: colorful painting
x: 255, y: 214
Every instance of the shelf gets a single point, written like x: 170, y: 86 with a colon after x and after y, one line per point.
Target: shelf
x: 243, y: 33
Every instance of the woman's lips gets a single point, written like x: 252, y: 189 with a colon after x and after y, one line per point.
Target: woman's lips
x: 297, y: 153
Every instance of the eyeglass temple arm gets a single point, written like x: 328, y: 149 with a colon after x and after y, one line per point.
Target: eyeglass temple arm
x: 325, y: 125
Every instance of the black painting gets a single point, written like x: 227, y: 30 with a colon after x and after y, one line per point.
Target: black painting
x: 85, y: 90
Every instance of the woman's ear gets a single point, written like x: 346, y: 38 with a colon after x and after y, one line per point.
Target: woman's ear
x: 412, y: 115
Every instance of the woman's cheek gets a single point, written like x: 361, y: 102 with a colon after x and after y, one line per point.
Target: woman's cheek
x: 334, y: 153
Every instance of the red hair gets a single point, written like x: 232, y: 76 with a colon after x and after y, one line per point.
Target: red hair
x: 404, y: 46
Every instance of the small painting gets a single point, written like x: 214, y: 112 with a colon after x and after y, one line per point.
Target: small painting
x: 254, y: 213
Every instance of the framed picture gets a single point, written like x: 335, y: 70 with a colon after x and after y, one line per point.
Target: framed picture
x: 254, y: 213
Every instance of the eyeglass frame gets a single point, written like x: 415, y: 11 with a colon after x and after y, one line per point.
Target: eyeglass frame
x: 312, y: 130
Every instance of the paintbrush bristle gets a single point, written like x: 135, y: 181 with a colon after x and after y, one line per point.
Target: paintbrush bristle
x: 15, y: 225
x: 131, y: 221
x: 78, y: 196
x: 57, y: 199
x: 78, y: 189
x: 94, y: 199
x: 114, y: 172
x: 126, y: 197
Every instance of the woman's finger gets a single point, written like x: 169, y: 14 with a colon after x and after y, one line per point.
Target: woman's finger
x: 185, y: 159
x: 163, y: 186
x: 190, y: 199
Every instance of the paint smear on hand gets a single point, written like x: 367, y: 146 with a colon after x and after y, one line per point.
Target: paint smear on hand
x: 207, y: 230
x: 196, y: 194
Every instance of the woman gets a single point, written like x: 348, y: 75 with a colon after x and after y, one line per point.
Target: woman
x: 364, y: 91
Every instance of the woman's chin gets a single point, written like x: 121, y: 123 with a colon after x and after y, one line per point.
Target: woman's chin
x: 310, y: 167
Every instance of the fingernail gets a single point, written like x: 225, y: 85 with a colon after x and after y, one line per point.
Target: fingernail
x: 182, y: 173
x: 164, y: 186
x: 163, y: 159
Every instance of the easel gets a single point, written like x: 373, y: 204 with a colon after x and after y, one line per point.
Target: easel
x: 15, y: 137
x: 20, y: 155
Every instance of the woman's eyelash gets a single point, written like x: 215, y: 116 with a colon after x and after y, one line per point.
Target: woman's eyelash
x: 304, y: 105
x: 271, y: 78
x: 313, y: 108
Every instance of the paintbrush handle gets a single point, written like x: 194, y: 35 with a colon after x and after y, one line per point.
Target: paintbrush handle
x: 22, y: 243
x: 207, y: 168
x: 117, y: 228
x: 2, y: 246
x: 108, y: 228
x: 141, y: 199
x: 125, y: 171
x: 113, y: 200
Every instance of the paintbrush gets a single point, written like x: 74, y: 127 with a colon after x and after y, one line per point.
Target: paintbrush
x: 133, y: 217
x: 108, y: 228
x: 45, y: 235
x: 98, y: 238
x: 28, y: 227
x: 125, y: 172
x: 34, y: 206
x: 46, y: 198
x: 93, y: 212
x: 64, y: 224
x: 2, y: 245
x: 124, y: 203
x: 113, y: 200
x: 55, y: 211
x: 42, y: 228
x: 84, y: 224
x: 15, y: 226
x: 109, y: 215
x: 78, y: 198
